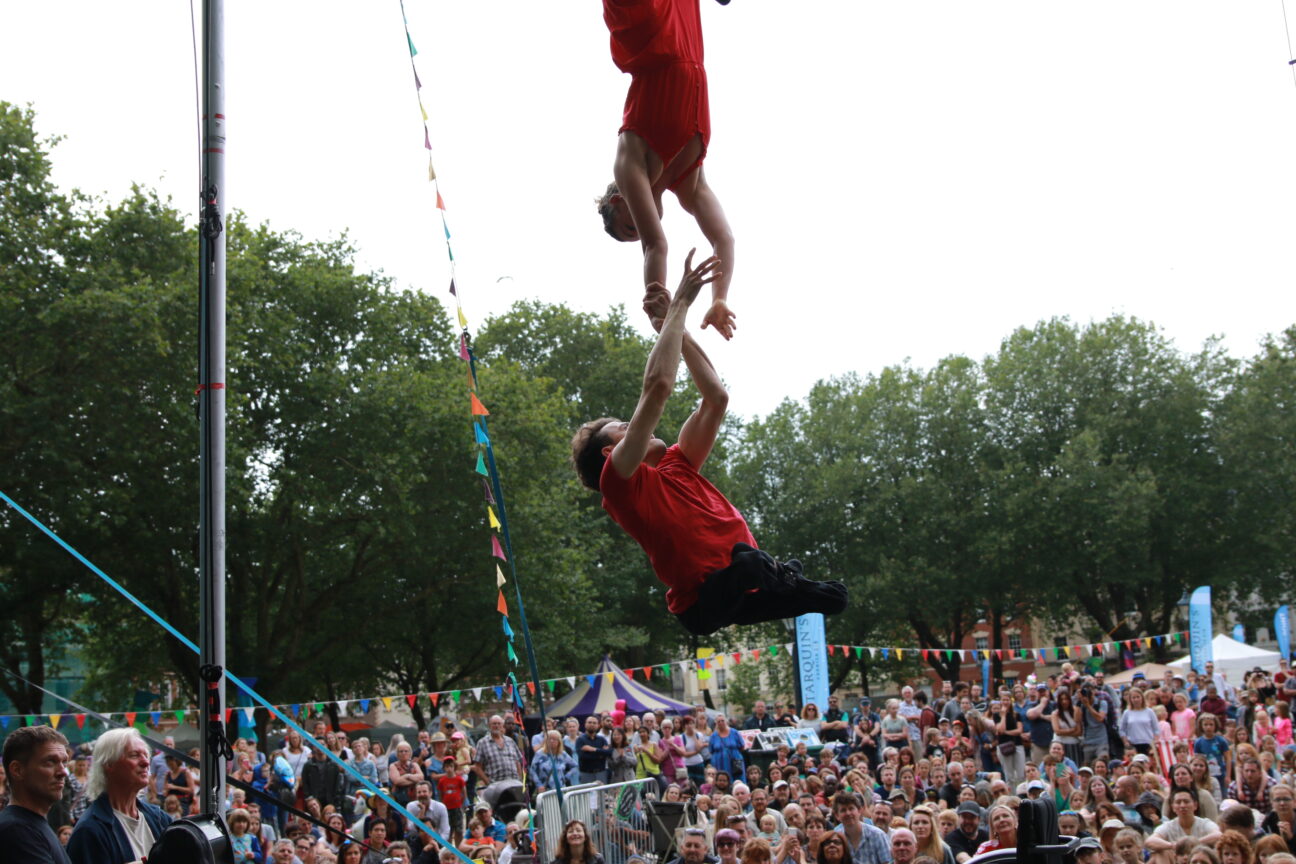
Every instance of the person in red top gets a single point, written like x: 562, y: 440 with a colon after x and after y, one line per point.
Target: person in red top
x: 450, y: 788
x: 663, y: 139
x: 698, y: 543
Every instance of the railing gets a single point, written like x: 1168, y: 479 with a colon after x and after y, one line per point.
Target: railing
x: 615, y: 816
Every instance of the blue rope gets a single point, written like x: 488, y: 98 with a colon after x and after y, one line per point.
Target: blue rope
x: 235, y: 680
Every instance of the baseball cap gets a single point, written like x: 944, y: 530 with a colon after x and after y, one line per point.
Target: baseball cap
x: 1149, y: 799
x: 1036, y: 784
x: 780, y: 783
x: 1112, y: 825
x: 1085, y: 769
x: 1086, y: 843
x: 1136, y: 676
x: 1139, y: 757
x: 864, y: 700
x: 481, y: 805
x: 897, y: 793
x: 969, y: 807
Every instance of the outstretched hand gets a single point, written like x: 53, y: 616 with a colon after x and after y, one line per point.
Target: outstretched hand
x: 721, y: 318
x: 696, y: 277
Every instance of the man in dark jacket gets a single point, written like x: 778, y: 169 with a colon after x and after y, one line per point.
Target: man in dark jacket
x: 118, y: 827
x: 323, y: 780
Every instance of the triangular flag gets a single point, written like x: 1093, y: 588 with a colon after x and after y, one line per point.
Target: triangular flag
x: 499, y: 692
x: 54, y: 720
x: 859, y: 652
x: 250, y: 712
x: 481, y: 464
x: 496, y: 549
x: 551, y: 683
x: 440, y: 203
x: 412, y: 49
x: 787, y: 646
x: 490, y: 517
x: 499, y: 577
x: 30, y: 719
x: 531, y: 687
x: 478, y: 409
x: 130, y: 718
x: 4, y: 721
x: 949, y: 655
x: 80, y: 721
x: 773, y: 650
x: 454, y: 696
x: 501, y: 605
x: 463, y: 322
x: 229, y: 716
x: 999, y: 653
x: 831, y: 648
x: 571, y: 681
x: 342, y: 707
x: 411, y: 698
x: 664, y: 669
x: 386, y: 700
x: 886, y: 653
x: 609, y: 676
x: 431, y: 170
x: 508, y: 631
x: 477, y: 693
x: 737, y: 657
x: 590, y: 679
x: 755, y: 653
x: 180, y: 716
x: 156, y: 717
x: 925, y: 654
x: 480, y: 434
x: 630, y: 673
x: 364, y: 706
x: 427, y: 139
x: 435, y: 697
x: 490, y: 496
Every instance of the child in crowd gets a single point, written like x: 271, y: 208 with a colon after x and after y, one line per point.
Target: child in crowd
x: 451, y: 787
x: 769, y: 829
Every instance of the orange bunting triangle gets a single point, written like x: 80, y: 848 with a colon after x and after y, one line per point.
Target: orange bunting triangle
x: 440, y: 203
x: 435, y: 697
x: 501, y: 605
x: 478, y: 409
x: 531, y: 687
x: 412, y: 699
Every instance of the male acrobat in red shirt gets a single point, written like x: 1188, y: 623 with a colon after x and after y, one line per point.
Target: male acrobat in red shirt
x: 698, y: 543
x: 663, y: 139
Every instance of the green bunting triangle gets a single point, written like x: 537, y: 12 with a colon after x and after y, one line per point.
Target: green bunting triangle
x: 481, y: 465
x: 410, y: 40
x: 773, y: 650
x: 512, y: 655
x: 859, y: 652
x: 179, y: 715
x: 550, y: 685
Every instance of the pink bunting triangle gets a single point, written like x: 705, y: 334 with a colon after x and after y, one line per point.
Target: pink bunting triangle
x: 440, y: 203
x: 496, y: 549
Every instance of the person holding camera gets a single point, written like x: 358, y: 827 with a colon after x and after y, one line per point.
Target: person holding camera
x: 1093, y: 715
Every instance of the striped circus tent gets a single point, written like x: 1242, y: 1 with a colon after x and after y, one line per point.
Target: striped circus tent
x: 599, y: 692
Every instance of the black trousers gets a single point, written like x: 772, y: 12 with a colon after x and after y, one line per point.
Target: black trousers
x: 726, y: 597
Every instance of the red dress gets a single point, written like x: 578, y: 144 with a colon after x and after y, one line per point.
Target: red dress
x: 659, y: 42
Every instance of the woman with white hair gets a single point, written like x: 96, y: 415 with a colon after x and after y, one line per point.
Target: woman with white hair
x: 119, y: 827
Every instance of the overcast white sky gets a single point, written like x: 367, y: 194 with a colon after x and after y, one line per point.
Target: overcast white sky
x: 905, y: 179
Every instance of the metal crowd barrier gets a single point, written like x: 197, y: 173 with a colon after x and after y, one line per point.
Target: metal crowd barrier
x: 615, y: 815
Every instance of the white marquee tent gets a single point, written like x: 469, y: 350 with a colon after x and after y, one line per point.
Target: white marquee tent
x: 1235, y: 658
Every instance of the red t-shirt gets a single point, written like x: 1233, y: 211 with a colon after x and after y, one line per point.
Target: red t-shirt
x: 683, y: 522
x: 452, y: 791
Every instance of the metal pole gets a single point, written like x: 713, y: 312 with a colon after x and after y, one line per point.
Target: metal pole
x: 211, y: 416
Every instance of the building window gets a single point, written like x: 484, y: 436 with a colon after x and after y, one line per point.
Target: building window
x: 1014, y: 641
x: 982, y: 643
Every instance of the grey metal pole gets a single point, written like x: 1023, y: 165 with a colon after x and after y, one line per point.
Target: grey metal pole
x: 211, y: 416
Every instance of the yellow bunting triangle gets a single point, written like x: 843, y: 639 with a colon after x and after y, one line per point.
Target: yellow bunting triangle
x: 54, y: 719
x: 494, y: 522
x: 424, y: 110
x: 610, y: 676
x: 899, y: 653
x: 463, y: 322
x: 386, y: 700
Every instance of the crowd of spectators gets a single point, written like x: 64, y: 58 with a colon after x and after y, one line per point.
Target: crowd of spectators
x: 1187, y: 769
